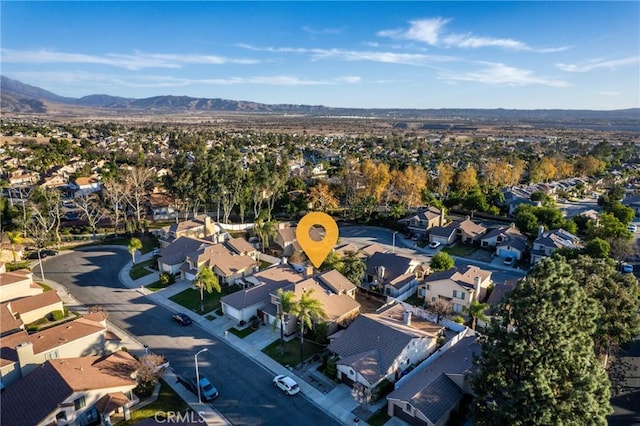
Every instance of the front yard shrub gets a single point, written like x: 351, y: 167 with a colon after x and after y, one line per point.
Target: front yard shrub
x: 57, y: 315
x: 458, y: 319
x: 166, y: 278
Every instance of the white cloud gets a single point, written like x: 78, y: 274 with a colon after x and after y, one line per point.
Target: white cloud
x: 497, y: 74
x: 321, y: 31
x: 134, y: 62
x: 357, y: 55
x: 147, y: 81
x: 599, y: 63
x: 432, y: 31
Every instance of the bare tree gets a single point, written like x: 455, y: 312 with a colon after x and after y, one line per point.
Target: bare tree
x: 440, y: 308
x: 363, y: 395
x: 115, y: 199
x: 150, y: 370
x: 136, y: 183
x: 91, y: 208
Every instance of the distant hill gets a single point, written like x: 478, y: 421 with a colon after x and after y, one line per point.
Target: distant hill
x: 17, y: 97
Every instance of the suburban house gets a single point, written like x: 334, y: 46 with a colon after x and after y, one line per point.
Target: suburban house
x: 161, y: 206
x: 200, y: 226
x: 456, y: 286
x: 16, y: 313
x: 17, y: 284
x: 469, y: 232
x: 241, y: 246
x: 383, y: 345
x: 341, y: 308
x: 549, y: 241
x: 398, y: 275
x: 632, y: 201
x: 224, y: 262
x: 85, y: 185
x: 445, y: 235
x: 174, y: 254
x: 429, y: 394
x: 252, y: 301
x: 74, y: 391
x: 419, y: 223
x: 499, y: 292
x: 286, y: 239
x: 20, y: 353
x: 368, y: 251
x: 507, y: 240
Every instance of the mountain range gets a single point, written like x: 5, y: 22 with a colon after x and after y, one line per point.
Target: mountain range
x: 20, y: 98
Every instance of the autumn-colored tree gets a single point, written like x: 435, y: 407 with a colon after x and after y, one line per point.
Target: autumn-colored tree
x: 589, y: 166
x: 543, y: 170
x: 409, y: 185
x: 518, y: 166
x: 322, y: 198
x: 376, y: 178
x: 466, y: 179
x: 497, y: 172
x: 445, y: 178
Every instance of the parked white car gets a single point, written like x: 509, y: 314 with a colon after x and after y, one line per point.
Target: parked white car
x: 286, y: 384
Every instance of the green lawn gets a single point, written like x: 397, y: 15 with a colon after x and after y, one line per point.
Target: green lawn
x: 190, y: 298
x: 242, y: 333
x: 459, y: 250
x: 148, y: 243
x: 168, y: 400
x: 292, y: 351
x: 45, y: 287
x: 155, y: 286
x: 139, y: 269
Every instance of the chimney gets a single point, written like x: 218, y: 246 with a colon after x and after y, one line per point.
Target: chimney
x: 25, y: 357
x: 283, y: 260
x: 308, y: 272
x: 406, y: 318
x: 476, y: 286
x: 540, y: 230
x: 441, y: 217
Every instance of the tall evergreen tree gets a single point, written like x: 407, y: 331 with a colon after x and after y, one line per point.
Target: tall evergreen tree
x: 617, y: 297
x: 538, y: 364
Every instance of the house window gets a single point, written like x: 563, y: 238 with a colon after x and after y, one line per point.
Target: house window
x: 51, y: 355
x: 428, y: 286
x: 457, y: 308
x: 62, y: 415
x: 80, y: 403
x: 92, y: 415
x: 458, y: 294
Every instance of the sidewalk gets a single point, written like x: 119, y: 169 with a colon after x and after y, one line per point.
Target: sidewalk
x: 338, y: 402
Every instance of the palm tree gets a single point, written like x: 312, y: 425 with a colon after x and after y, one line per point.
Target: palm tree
x: 15, y: 237
x: 265, y: 229
x: 206, y: 280
x: 134, y: 245
x: 308, y: 310
x: 476, y: 312
x: 286, y: 299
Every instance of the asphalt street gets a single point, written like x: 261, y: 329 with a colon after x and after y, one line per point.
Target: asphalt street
x: 246, y: 396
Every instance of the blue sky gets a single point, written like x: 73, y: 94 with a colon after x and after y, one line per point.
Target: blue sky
x: 419, y: 54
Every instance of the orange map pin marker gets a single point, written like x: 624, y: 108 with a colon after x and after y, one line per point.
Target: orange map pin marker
x: 317, y: 251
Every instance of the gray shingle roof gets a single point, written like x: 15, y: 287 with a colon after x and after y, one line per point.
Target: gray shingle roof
x: 395, y: 265
x: 374, y: 341
x: 429, y: 389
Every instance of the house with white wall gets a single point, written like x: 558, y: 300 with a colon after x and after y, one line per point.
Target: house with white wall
x: 21, y: 353
x: 73, y: 391
x: 17, y: 284
x: 456, y: 286
x: 383, y: 345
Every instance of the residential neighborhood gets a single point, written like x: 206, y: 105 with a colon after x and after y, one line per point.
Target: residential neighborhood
x: 392, y: 323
